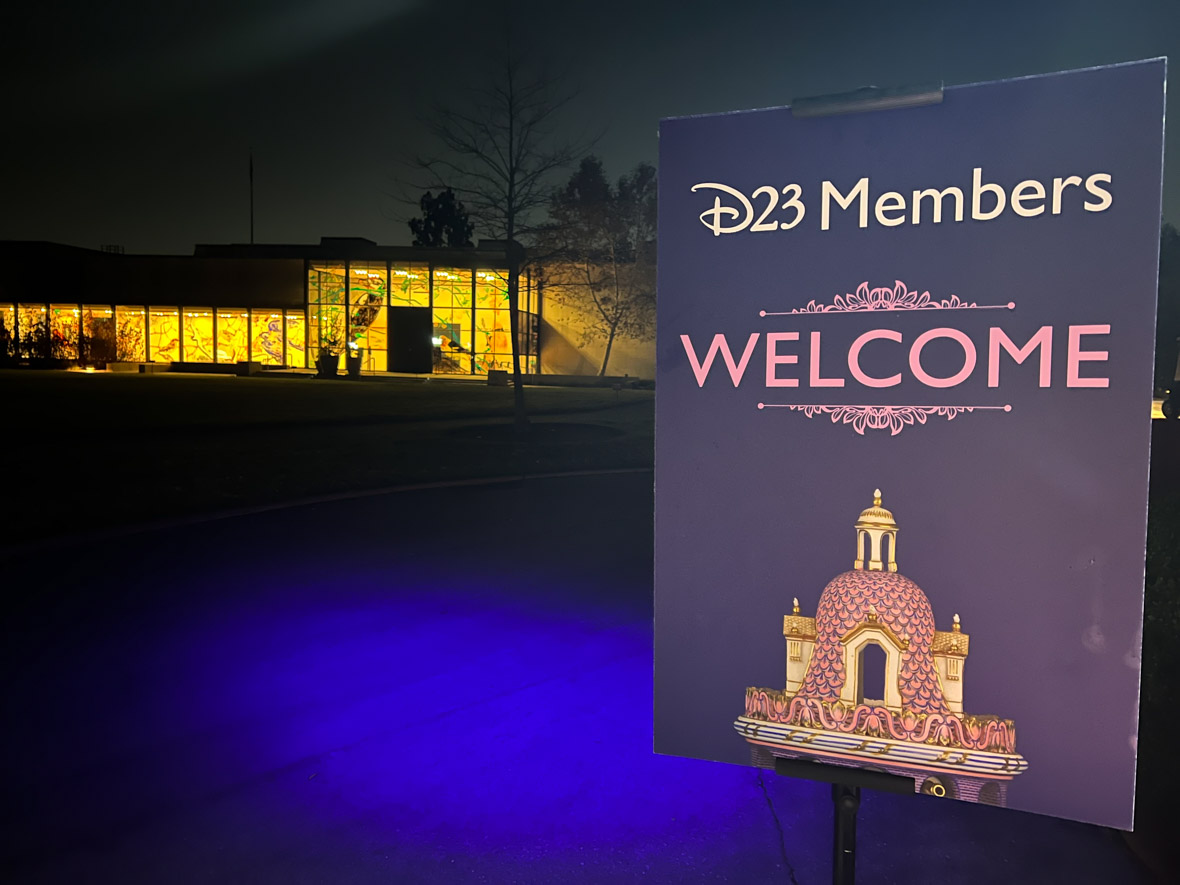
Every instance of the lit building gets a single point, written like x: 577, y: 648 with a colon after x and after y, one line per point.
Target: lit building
x: 871, y: 683
x: 396, y: 309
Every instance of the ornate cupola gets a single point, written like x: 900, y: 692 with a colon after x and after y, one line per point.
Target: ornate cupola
x: 874, y: 526
x: 872, y: 682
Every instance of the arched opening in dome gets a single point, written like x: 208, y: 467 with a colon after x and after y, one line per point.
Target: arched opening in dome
x: 870, y: 674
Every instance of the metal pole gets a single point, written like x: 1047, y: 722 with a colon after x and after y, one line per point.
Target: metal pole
x: 845, y: 801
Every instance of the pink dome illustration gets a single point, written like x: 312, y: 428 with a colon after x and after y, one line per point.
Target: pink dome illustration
x: 874, y: 622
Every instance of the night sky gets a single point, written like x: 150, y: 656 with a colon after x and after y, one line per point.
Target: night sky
x: 131, y: 123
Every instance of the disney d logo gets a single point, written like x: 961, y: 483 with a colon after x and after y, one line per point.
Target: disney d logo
x: 714, y: 219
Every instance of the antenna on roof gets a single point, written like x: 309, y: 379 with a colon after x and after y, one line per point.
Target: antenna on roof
x: 251, y: 196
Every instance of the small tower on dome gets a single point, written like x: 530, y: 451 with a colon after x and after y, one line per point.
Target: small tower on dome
x: 874, y: 528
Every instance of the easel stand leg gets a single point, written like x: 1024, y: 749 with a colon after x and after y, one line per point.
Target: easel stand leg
x: 846, y: 783
x: 845, y: 802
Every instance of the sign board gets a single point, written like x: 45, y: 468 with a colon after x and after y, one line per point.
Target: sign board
x: 903, y: 418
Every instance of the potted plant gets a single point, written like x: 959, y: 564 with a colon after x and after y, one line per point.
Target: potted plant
x: 327, y: 361
x: 354, y: 357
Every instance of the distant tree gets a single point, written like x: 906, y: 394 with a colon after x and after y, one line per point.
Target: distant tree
x: 498, y: 147
x: 443, y: 223
x: 1167, y: 324
x: 601, y: 252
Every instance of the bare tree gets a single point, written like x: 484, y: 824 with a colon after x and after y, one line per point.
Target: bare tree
x: 497, y: 149
x: 602, y: 243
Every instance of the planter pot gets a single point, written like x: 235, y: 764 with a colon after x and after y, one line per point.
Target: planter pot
x: 327, y: 366
x: 354, y: 361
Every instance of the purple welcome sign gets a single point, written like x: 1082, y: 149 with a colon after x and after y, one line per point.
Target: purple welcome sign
x: 931, y: 324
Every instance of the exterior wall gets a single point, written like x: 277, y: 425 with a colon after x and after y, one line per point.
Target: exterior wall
x: 190, y: 308
x: 235, y: 303
x: 203, y: 281
x: 565, y: 349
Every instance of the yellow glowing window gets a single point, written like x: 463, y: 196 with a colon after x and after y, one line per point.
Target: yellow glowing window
x: 327, y: 329
x: 130, y: 334
x: 7, y: 330
x: 452, y: 341
x: 266, y: 345
x: 325, y: 284
x: 64, y: 320
x: 952, y: 669
x: 164, y: 334
x: 370, y: 332
x: 367, y: 283
x: 97, y: 339
x: 367, y: 317
x: 452, y: 288
x: 296, y: 339
x: 491, y: 289
x: 409, y: 285
x: 233, y: 335
x: 199, y: 344
x: 493, y: 340
x: 32, y: 322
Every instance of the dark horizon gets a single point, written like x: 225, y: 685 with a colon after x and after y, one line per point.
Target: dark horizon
x: 134, y: 126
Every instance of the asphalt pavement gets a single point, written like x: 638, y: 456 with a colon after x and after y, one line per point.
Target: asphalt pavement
x: 442, y: 686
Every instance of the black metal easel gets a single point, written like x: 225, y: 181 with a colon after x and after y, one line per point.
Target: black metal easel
x: 847, y: 782
x: 846, y: 785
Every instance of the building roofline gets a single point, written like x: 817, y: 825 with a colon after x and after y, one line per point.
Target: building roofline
x: 328, y: 249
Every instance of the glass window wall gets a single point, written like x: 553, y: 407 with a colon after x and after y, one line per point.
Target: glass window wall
x: 130, y: 334
x: 453, y: 321
x: 493, y: 336
x: 8, y: 339
x: 327, y: 328
x: 33, y: 322
x: 297, y: 339
x: 164, y: 332
x: 266, y: 345
x: 64, y: 320
x: 199, y: 342
x: 98, y: 342
x: 233, y: 335
x: 409, y: 285
x: 528, y: 343
x: 367, y: 318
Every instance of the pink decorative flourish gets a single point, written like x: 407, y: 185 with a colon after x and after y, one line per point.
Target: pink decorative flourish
x: 891, y: 418
x: 900, y: 297
x: 988, y: 733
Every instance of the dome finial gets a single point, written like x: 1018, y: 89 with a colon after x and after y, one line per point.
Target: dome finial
x: 956, y: 627
x: 795, y: 609
x: 876, y: 538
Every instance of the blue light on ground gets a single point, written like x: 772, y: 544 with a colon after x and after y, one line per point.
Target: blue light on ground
x: 352, y: 715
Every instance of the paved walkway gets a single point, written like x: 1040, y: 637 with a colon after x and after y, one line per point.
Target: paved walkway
x: 393, y: 689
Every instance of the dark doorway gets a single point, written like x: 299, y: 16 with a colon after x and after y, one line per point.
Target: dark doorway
x: 871, y: 684
x: 410, y: 344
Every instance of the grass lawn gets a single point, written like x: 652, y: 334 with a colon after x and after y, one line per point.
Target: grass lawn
x: 93, y: 451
